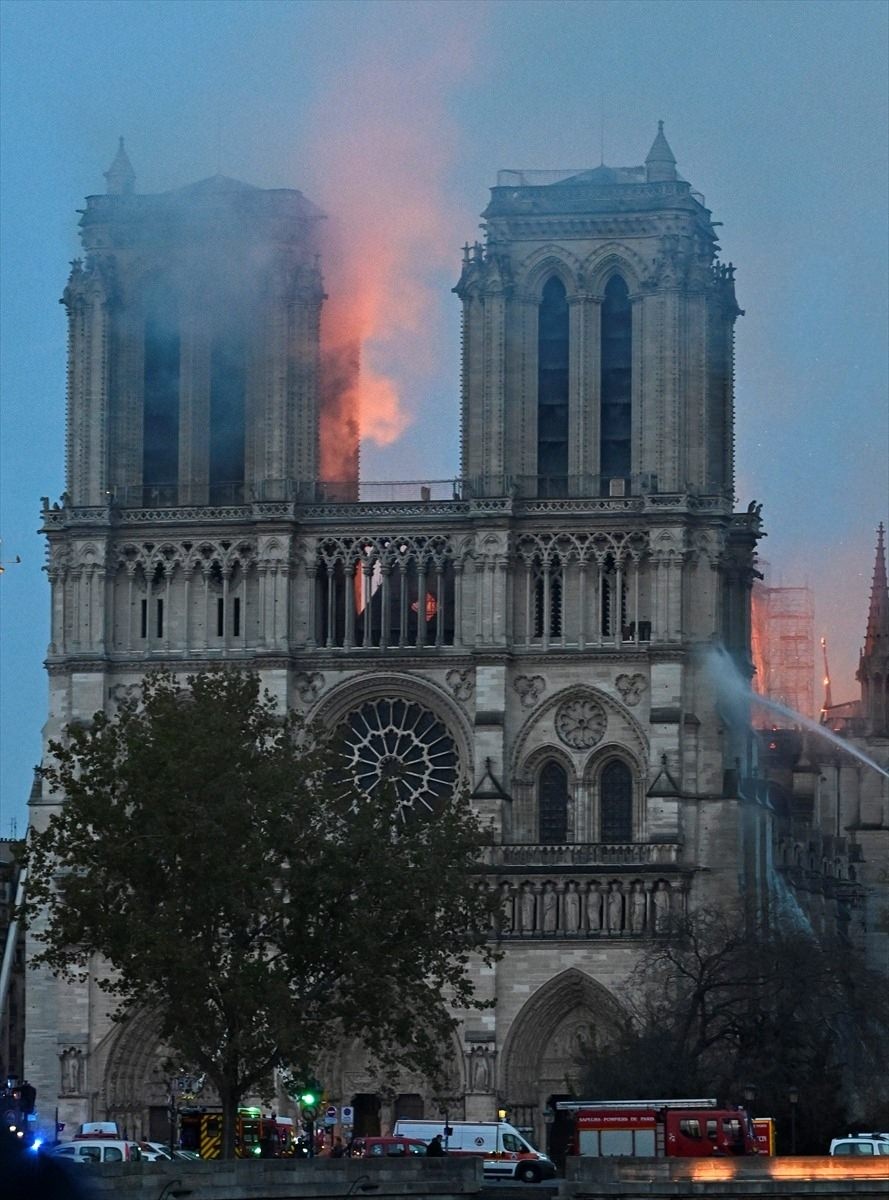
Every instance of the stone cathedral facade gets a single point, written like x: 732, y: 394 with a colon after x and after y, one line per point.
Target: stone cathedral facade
x: 534, y: 631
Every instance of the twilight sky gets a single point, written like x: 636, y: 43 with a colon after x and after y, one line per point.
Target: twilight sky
x: 395, y: 117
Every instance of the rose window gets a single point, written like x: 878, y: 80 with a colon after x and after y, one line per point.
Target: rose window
x: 390, y: 742
x: 580, y: 723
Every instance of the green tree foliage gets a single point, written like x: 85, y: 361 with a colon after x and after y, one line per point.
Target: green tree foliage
x: 715, y: 1006
x: 257, y: 906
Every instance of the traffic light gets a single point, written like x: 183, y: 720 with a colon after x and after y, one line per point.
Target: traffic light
x: 309, y: 1092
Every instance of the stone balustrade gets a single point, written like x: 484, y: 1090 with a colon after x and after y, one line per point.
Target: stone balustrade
x: 617, y: 854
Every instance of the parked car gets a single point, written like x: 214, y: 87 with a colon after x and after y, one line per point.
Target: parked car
x: 862, y: 1144
x: 155, y: 1152
x: 386, y: 1147
x: 97, y: 1150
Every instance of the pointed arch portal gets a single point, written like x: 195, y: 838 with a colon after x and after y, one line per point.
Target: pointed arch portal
x: 543, y: 1053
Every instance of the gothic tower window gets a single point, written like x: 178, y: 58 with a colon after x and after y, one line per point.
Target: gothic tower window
x: 613, y: 599
x: 616, y: 803
x: 614, y: 462
x: 227, y: 424
x: 160, y: 409
x: 547, y: 600
x: 552, y: 390
x: 552, y: 804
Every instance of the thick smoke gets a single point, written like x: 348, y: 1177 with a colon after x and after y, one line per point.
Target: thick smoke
x: 383, y: 145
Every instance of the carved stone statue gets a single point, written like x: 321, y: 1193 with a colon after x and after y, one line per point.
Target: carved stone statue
x: 527, y: 908
x: 479, y: 1074
x: 571, y: 905
x: 661, y: 900
x: 637, y: 908
x: 594, y: 909
x: 507, y: 920
x: 71, y: 1064
x: 615, y: 903
x: 550, y: 905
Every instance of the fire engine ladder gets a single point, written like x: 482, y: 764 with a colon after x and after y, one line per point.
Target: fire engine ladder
x: 574, y: 1105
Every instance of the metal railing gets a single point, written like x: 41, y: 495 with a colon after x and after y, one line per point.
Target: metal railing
x: 535, y: 487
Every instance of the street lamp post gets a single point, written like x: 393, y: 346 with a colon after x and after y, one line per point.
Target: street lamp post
x: 793, y: 1097
x: 749, y: 1097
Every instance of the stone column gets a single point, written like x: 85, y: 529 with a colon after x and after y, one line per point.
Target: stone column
x: 310, y: 574
x: 584, y: 388
x: 262, y: 578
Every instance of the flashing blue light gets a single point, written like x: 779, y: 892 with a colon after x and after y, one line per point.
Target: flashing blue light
x: 36, y: 1144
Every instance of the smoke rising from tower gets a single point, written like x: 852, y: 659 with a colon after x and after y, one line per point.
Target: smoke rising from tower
x: 382, y: 147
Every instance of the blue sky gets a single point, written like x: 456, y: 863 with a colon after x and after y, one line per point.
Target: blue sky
x: 777, y: 112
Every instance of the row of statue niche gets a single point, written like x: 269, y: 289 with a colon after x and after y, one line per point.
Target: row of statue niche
x: 572, y: 907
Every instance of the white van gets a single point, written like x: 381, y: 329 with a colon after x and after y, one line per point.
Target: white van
x: 858, y: 1145
x: 506, y: 1153
x: 97, y: 1150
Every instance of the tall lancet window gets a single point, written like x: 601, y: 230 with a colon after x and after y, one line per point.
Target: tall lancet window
x: 552, y: 390
x: 227, y: 428
x: 160, y: 409
x: 616, y: 803
x: 617, y: 339
x: 552, y: 804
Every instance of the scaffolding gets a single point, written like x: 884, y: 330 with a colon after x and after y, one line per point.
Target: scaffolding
x: 783, y: 647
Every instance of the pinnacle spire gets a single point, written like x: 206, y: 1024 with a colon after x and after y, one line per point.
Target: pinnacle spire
x: 120, y: 177
x: 877, y: 636
x: 660, y: 165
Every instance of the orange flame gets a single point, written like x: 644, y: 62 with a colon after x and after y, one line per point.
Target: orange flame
x: 383, y: 145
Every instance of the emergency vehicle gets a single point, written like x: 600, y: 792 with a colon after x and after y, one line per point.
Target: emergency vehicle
x: 506, y: 1154
x: 764, y: 1132
x: 255, y: 1135
x: 658, y: 1128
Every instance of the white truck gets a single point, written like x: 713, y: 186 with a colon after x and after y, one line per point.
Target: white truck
x: 505, y: 1152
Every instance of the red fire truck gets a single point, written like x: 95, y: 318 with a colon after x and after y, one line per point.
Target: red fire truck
x: 200, y: 1129
x: 658, y: 1128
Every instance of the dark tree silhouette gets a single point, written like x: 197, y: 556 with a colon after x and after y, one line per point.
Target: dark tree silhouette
x: 253, y: 901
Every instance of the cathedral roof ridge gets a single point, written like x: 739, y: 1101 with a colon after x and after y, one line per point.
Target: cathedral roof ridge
x: 215, y: 183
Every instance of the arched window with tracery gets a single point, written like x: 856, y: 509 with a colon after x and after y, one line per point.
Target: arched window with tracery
x: 552, y: 804
x: 160, y: 395
x: 616, y: 803
x: 616, y: 396
x: 552, y: 390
